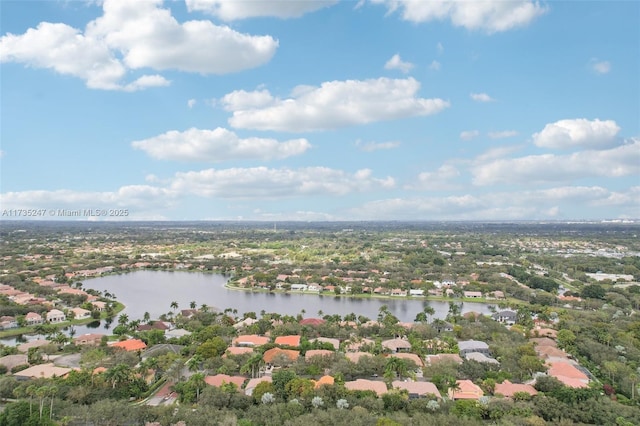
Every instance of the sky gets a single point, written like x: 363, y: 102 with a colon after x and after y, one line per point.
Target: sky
x: 404, y: 110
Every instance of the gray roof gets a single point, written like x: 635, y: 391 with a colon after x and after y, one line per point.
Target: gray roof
x: 466, y: 345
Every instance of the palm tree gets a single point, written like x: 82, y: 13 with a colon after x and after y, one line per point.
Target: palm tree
x: 198, y: 382
x: 121, y: 373
x: 123, y: 319
x: 204, y: 308
x: 51, y: 392
x: 252, y: 365
x: 146, y: 317
x: 174, y: 305
x: 192, y: 304
x: 194, y: 362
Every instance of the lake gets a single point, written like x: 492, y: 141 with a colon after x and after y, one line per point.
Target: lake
x: 153, y: 292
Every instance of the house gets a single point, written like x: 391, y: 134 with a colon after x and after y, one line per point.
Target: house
x: 99, y: 306
x: 468, y: 346
x: 8, y: 322
x: 276, y: 353
x: 11, y: 361
x: 250, y: 340
x: 410, y: 357
x: 355, y: 356
x: 79, y: 313
x: 221, y: 379
x: 293, y: 341
x: 451, y: 358
x: 237, y: 350
x: 417, y: 389
x: 416, y: 292
x: 33, y: 318
x: 324, y: 380
x: 176, y: 333
x: 45, y: 371
x: 507, y: 316
x: 188, y: 313
x: 251, y: 384
x: 465, y: 389
x: 359, y: 344
x: 244, y: 323
x: 568, y: 374
x: 314, y: 322
x: 299, y: 287
x: 311, y: 353
x: 89, y: 339
x: 130, y: 345
x: 508, y: 389
x: 24, y: 347
x: 55, y: 316
x: 480, y: 357
x: 397, y: 345
x: 472, y: 294
x: 367, y: 385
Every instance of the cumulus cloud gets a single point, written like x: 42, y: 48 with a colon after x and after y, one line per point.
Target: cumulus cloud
x: 481, y: 97
x: 503, y: 134
x: 490, y: 16
x: 439, y: 180
x: 265, y: 183
x: 600, y: 67
x: 578, y: 133
x: 395, y: 63
x: 376, y: 146
x: 132, y: 36
x: 550, y: 203
x: 335, y: 104
x: 217, y: 145
x: 620, y: 161
x: 231, y: 10
x: 467, y: 135
x: 139, y: 199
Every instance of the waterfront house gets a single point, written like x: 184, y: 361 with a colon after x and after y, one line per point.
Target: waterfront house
x: 507, y: 316
x: 56, y: 316
x: 33, y: 318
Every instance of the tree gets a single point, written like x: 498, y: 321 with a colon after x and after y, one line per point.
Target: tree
x: 192, y: 304
x: 212, y: 348
x: 593, y: 291
x: 174, y: 305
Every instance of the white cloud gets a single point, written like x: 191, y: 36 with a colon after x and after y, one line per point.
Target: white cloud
x: 333, y: 105
x: 376, y: 146
x: 620, y: 161
x: 144, y: 35
x: 395, y: 63
x: 440, y: 48
x: 265, y: 183
x: 481, y: 97
x: 241, y: 99
x: 217, y: 145
x: 435, y: 65
x: 231, y: 10
x: 439, y: 180
x: 600, y: 67
x: 139, y: 199
x: 467, y: 135
x: 191, y: 103
x: 490, y: 16
x: 503, y: 134
x: 578, y: 133
x: 550, y: 203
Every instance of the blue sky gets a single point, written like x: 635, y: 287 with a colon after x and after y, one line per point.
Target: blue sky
x: 321, y: 110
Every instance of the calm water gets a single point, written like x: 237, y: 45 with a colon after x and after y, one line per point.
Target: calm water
x: 153, y: 292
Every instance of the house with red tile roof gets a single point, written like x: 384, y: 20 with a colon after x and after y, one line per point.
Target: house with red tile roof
x: 411, y: 357
x: 568, y: 374
x: 250, y: 340
x: 220, y: 379
x: 237, y: 350
x: 313, y: 322
x: 251, y: 384
x: 355, y: 356
x: 292, y: 340
x: 269, y: 356
x: 33, y: 318
x: 465, y: 389
x: 45, y: 371
x: 367, y: 385
x: 130, y: 345
x: 324, y: 380
x: 508, y: 389
x: 55, y: 316
x: 89, y: 339
x: 417, y: 389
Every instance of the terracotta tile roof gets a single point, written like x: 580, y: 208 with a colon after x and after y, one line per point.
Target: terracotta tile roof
x: 367, y: 385
x: 219, y: 379
x: 251, y: 384
x: 413, y: 357
x: 131, y: 345
x: 293, y: 340
x: 434, y: 359
x: 562, y: 370
x: 417, y: 388
x: 312, y: 321
x: 250, y: 340
x: 238, y: 350
x: 270, y: 355
x: 355, y: 356
x: 324, y: 380
x: 507, y: 389
x: 46, y: 371
x: 466, y: 390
